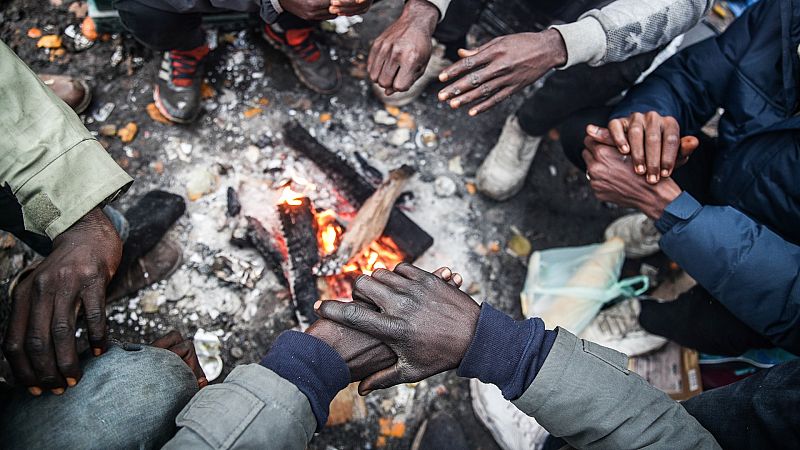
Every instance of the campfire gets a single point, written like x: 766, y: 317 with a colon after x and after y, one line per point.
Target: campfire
x: 318, y: 253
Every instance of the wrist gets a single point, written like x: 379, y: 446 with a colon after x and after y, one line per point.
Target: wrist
x: 664, y: 193
x: 421, y: 13
x: 557, y: 49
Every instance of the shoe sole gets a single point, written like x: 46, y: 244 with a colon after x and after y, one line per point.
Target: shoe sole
x: 163, y: 110
x: 87, y: 98
x: 297, y: 72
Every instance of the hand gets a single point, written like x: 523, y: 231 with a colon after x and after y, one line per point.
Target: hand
x: 494, y: 71
x: 400, y: 54
x: 427, y: 322
x: 40, y: 340
x: 653, y: 142
x: 363, y: 353
x: 612, y: 180
x: 349, y: 7
x: 174, y: 342
x: 314, y: 10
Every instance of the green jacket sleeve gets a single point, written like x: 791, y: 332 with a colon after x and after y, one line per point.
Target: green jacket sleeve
x: 253, y: 408
x: 55, y: 168
x: 585, y: 394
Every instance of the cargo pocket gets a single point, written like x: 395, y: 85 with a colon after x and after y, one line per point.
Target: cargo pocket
x: 220, y: 413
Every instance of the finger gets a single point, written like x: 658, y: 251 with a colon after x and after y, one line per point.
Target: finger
x: 600, y: 134
x: 388, y: 278
x: 670, y: 143
x: 444, y: 273
x: 636, y: 140
x: 652, y: 146
x: 39, y: 339
x: 94, y: 310
x: 63, y: 331
x: 588, y: 158
x: 617, y: 129
x: 410, y: 271
x: 382, y: 379
x: 461, y: 67
x: 168, y: 340
x: 377, y: 58
x: 491, y: 101
x: 388, y: 72
x: 185, y: 349
x: 374, y: 291
x: 14, y: 344
x: 457, y: 280
x: 483, y: 90
x: 688, y: 145
x: 352, y: 315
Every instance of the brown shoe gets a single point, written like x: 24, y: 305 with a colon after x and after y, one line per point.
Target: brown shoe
x: 72, y: 91
x: 156, y: 265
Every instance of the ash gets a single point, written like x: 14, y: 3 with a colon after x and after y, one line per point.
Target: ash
x: 237, y: 142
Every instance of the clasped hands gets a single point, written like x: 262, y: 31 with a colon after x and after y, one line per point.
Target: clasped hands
x: 325, y: 9
x: 402, y: 326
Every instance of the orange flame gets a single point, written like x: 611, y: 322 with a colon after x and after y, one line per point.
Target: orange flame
x: 381, y: 254
x: 329, y: 231
x: 290, y: 197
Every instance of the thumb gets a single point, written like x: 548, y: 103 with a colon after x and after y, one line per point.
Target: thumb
x: 382, y: 379
x: 688, y: 145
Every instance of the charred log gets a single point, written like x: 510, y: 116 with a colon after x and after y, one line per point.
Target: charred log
x: 253, y: 234
x: 299, y: 229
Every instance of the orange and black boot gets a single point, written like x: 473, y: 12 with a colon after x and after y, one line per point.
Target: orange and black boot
x: 177, y: 90
x: 312, y: 66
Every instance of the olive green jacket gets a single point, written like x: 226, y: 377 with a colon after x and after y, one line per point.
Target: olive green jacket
x: 55, y: 168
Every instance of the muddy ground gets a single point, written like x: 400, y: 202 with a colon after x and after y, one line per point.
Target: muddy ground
x: 555, y: 208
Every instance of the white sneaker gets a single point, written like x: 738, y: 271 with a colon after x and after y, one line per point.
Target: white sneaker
x: 503, y: 172
x: 435, y: 66
x: 618, y: 327
x: 639, y: 233
x: 511, y: 428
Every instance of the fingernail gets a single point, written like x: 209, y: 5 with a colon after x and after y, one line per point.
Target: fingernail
x: 202, y: 382
x: 640, y: 168
x: 592, y: 129
x: 652, y: 178
x: 473, y: 112
x: 334, y: 10
x: 443, y: 76
x: 71, y: 382
x: 97, y: 351
x: 35, y: 391
x: 443, y: 96
x: 446, y: 274
x: 625, y: 148
x: 57, y: 391
x: 455, y: 104
x: 317, y: 304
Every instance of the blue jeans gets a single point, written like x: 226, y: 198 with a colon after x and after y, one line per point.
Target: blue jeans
x: 128, y: 398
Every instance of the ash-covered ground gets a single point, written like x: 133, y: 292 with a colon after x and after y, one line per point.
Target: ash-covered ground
x: 233, y: 144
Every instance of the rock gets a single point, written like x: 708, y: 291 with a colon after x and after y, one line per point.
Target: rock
x: 444, y: 186
x: 128, y: 132
x: 237, y: 353
x: 201, y: 182
x: 252, y: 154
x: 34, y: 33
x: 454, y: 164
x: 399, y: 136
x: 108, y: 130
x: 325, y: 117
x: 404, y: 120
x: 519, y: 245
x: 103, y: 112
x: 382, y: 117
x: 49, y: 41
x: 150, y: 302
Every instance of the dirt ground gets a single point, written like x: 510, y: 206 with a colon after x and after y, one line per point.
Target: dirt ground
x: 555, y: 208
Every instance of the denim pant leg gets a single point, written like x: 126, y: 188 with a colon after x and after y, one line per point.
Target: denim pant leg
x: 126, y: 399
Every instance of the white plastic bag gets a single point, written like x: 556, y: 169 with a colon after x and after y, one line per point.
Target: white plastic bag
x: 566, y: 287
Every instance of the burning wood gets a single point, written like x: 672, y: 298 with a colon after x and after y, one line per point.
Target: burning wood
x: 299, y: 229
x: 367, y: 226
x: 253, y: 234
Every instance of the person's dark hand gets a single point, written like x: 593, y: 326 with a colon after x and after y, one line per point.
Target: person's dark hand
x: 314, y: 10
x: 363, y: 353
x: 654, y: 143
x: 494, y: 71
x: 40, y: 341
x: 349, y: 7
x: 400, y: 54
x: 427, y: 322
x: 612, y: 179
x: 174, y: 342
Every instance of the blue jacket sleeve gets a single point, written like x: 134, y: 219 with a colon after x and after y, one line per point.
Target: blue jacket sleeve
x: 691, y: 85
x: 745, y: 265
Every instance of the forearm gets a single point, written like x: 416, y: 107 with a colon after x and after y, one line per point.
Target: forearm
x: 626, y: 28
x: 57, y: 171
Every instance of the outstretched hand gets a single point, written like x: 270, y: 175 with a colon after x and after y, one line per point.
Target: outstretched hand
x: 426, y: 321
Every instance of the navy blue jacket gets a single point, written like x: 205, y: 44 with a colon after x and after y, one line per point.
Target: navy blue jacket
x: 743, y: 245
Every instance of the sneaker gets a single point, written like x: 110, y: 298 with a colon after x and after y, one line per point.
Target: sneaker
x: 158, y: 264
x: 617, y: 327
x: 511, y: 428
x: 312, y: 66
x: 503, y: 172
x: 177, y: 90
x: 74, y: 92
x: 440, y: 432
x: 435, y: 66
x: 639, y: 233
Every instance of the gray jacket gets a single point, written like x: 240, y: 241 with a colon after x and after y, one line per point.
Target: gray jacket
x: 583, y: 393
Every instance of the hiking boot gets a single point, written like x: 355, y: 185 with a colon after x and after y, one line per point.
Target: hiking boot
x: 639, y: 233
x: 158, y: 264
x: 503, y: 172
x: 74, y: 92
x: 313, y: 67
x: 440, y: 432
x: 436, y: 65
x: 511, y: 428
x: 177, y: 90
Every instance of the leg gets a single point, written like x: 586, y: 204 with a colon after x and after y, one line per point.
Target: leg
x: 757, y: 412
x: 696, y: 320
x: 453, y: 29
x: 161, y: 29
x: 126, y: 399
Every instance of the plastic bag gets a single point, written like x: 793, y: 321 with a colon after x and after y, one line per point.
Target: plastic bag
x: 566, y: 287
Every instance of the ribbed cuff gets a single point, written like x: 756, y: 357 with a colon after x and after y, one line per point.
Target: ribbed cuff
x: 313, y: 366
x: 506, y: 352
x: 684, y: 207
x: 585, y: 41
